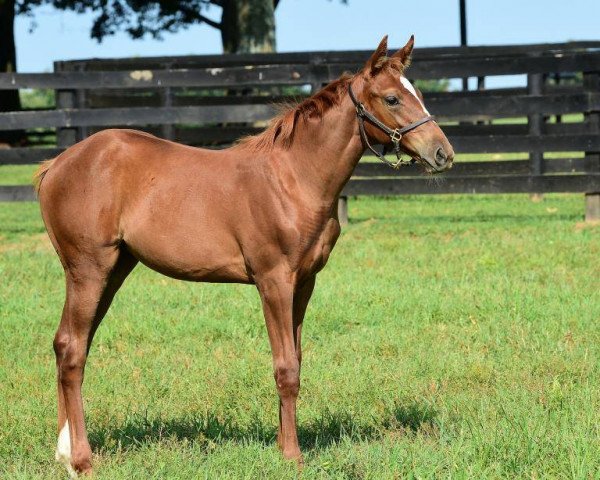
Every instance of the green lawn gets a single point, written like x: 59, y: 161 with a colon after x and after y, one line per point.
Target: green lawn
x: 449, y: 337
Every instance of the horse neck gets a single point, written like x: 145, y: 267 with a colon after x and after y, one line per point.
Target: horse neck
x: 325, y: 152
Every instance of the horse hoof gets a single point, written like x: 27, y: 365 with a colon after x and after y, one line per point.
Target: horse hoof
x: 295, y: 455
x: 88, y: 472
x: 80, y: 468
x: 65, y: 460
x: 77, y: 472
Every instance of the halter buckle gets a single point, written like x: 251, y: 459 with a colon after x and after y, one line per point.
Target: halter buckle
x: 396, y: 136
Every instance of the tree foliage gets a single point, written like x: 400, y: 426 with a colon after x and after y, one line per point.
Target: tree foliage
x: 140, y: 18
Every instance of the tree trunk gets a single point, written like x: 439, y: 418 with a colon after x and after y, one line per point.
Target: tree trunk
x: 9, y: 99
x: 248, y: 26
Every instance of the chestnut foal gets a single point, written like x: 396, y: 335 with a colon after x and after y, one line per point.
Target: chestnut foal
x: 263, y: 212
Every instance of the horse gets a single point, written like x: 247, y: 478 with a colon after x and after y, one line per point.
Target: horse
x: 262, y: 212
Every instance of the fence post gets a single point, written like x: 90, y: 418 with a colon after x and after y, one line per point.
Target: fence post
x: 167, y: 129
x: 556, y: 77
x: 66, y: 99
x: 81, y: 102
x: 343, y: 210
x: 66, y: 136
x: 591, y: 82
x: 535, y: 83
x: 481, y: 87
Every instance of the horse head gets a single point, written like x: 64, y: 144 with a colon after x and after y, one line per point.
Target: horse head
x: 391, y: 110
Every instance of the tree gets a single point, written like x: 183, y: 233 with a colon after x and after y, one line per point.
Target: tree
x: 9, y: 99
x: 247, y: 26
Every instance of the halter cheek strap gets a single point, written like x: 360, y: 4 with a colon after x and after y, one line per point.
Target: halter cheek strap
x: 395, y: 134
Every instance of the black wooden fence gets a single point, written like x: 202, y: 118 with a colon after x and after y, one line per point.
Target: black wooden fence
x: 547, y: 132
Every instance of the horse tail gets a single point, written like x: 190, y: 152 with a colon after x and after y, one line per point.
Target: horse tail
x: 40, y: 173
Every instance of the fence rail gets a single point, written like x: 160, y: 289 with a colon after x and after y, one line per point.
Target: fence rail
x: 447, y: 108
x: 212, y: 100
x: 218, y: 77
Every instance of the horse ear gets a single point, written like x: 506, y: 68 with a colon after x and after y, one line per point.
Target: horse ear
x: 375, y: 63
x: 405, y: 52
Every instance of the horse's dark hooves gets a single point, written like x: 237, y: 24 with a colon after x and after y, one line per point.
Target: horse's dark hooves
x: 293, y: 454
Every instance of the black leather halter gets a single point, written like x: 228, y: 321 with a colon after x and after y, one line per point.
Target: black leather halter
x: 395, y: 135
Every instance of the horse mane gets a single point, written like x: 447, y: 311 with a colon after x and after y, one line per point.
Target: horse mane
x: 282, y: 127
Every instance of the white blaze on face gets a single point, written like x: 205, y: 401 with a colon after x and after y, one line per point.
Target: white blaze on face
x: 409, y: 86
x: 63, y: 450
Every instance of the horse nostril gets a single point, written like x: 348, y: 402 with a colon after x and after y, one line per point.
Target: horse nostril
x: 440, y: 157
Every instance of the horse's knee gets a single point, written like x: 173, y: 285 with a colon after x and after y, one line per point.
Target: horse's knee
x: 287, y: 379
x: 70, y: 360
x: 60, y: 344
x: 73, y: 358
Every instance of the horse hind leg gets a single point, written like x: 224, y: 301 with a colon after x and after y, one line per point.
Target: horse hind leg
x: 91, y: 286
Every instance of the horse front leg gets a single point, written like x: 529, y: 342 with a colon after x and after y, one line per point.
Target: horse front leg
x: 277, y: 294
x: 301, y: 298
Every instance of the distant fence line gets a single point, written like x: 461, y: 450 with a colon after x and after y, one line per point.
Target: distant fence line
x: 212, y: 100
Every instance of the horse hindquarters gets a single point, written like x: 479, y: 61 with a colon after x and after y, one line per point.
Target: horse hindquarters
x: 82, y: 224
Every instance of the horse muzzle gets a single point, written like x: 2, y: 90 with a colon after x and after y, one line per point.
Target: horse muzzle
x: 439, y: 160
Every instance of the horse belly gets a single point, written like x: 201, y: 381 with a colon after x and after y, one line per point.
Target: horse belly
x: 190, y: 245
x: 189, y: 261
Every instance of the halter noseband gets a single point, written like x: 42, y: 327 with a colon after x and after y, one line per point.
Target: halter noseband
x: 395, y: 135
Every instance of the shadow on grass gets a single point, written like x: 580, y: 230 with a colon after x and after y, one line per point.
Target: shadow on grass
x: 206, y: 430
x: 330, y: 428
x: 514, y: 218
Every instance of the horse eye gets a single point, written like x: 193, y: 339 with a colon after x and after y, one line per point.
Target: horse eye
x: 391, y: 100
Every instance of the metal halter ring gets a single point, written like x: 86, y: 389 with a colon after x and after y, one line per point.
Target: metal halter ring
x: 396, y: 136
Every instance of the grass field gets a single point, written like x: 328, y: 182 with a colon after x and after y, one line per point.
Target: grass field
x: 449, y: 337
